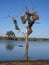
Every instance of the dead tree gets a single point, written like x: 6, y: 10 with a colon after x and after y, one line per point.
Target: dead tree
x: 29, y: 17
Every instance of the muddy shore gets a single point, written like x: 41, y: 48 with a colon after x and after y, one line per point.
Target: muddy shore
x: 26, y: 62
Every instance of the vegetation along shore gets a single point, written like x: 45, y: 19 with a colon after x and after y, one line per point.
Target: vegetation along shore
x: 22, y: 38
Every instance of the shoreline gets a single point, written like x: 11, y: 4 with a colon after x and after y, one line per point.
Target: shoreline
x: 28, y: 40
x: 23, y: 39
x: 26, y: 62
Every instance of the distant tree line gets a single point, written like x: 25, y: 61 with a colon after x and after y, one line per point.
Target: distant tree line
x: 10, y: 35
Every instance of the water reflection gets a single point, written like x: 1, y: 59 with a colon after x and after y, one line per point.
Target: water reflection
x: 12, y: 50
x: 26, y: 53
x: 9, y: 47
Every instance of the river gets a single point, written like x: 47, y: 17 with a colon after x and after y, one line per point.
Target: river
x: 16, y: 50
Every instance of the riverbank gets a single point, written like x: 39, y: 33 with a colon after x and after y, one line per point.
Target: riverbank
x: 22, y: 39
x: 25, y: 62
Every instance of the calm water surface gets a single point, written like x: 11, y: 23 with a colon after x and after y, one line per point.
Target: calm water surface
x: 11, y: 50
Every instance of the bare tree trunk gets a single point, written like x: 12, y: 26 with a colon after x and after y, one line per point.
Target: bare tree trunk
x: 27, y: 40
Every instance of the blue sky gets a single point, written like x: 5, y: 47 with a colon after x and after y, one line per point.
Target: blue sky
x: 16, y: 8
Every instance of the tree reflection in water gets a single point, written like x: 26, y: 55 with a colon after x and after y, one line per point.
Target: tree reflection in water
x: 26, y: 53
x: 9, y: 47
